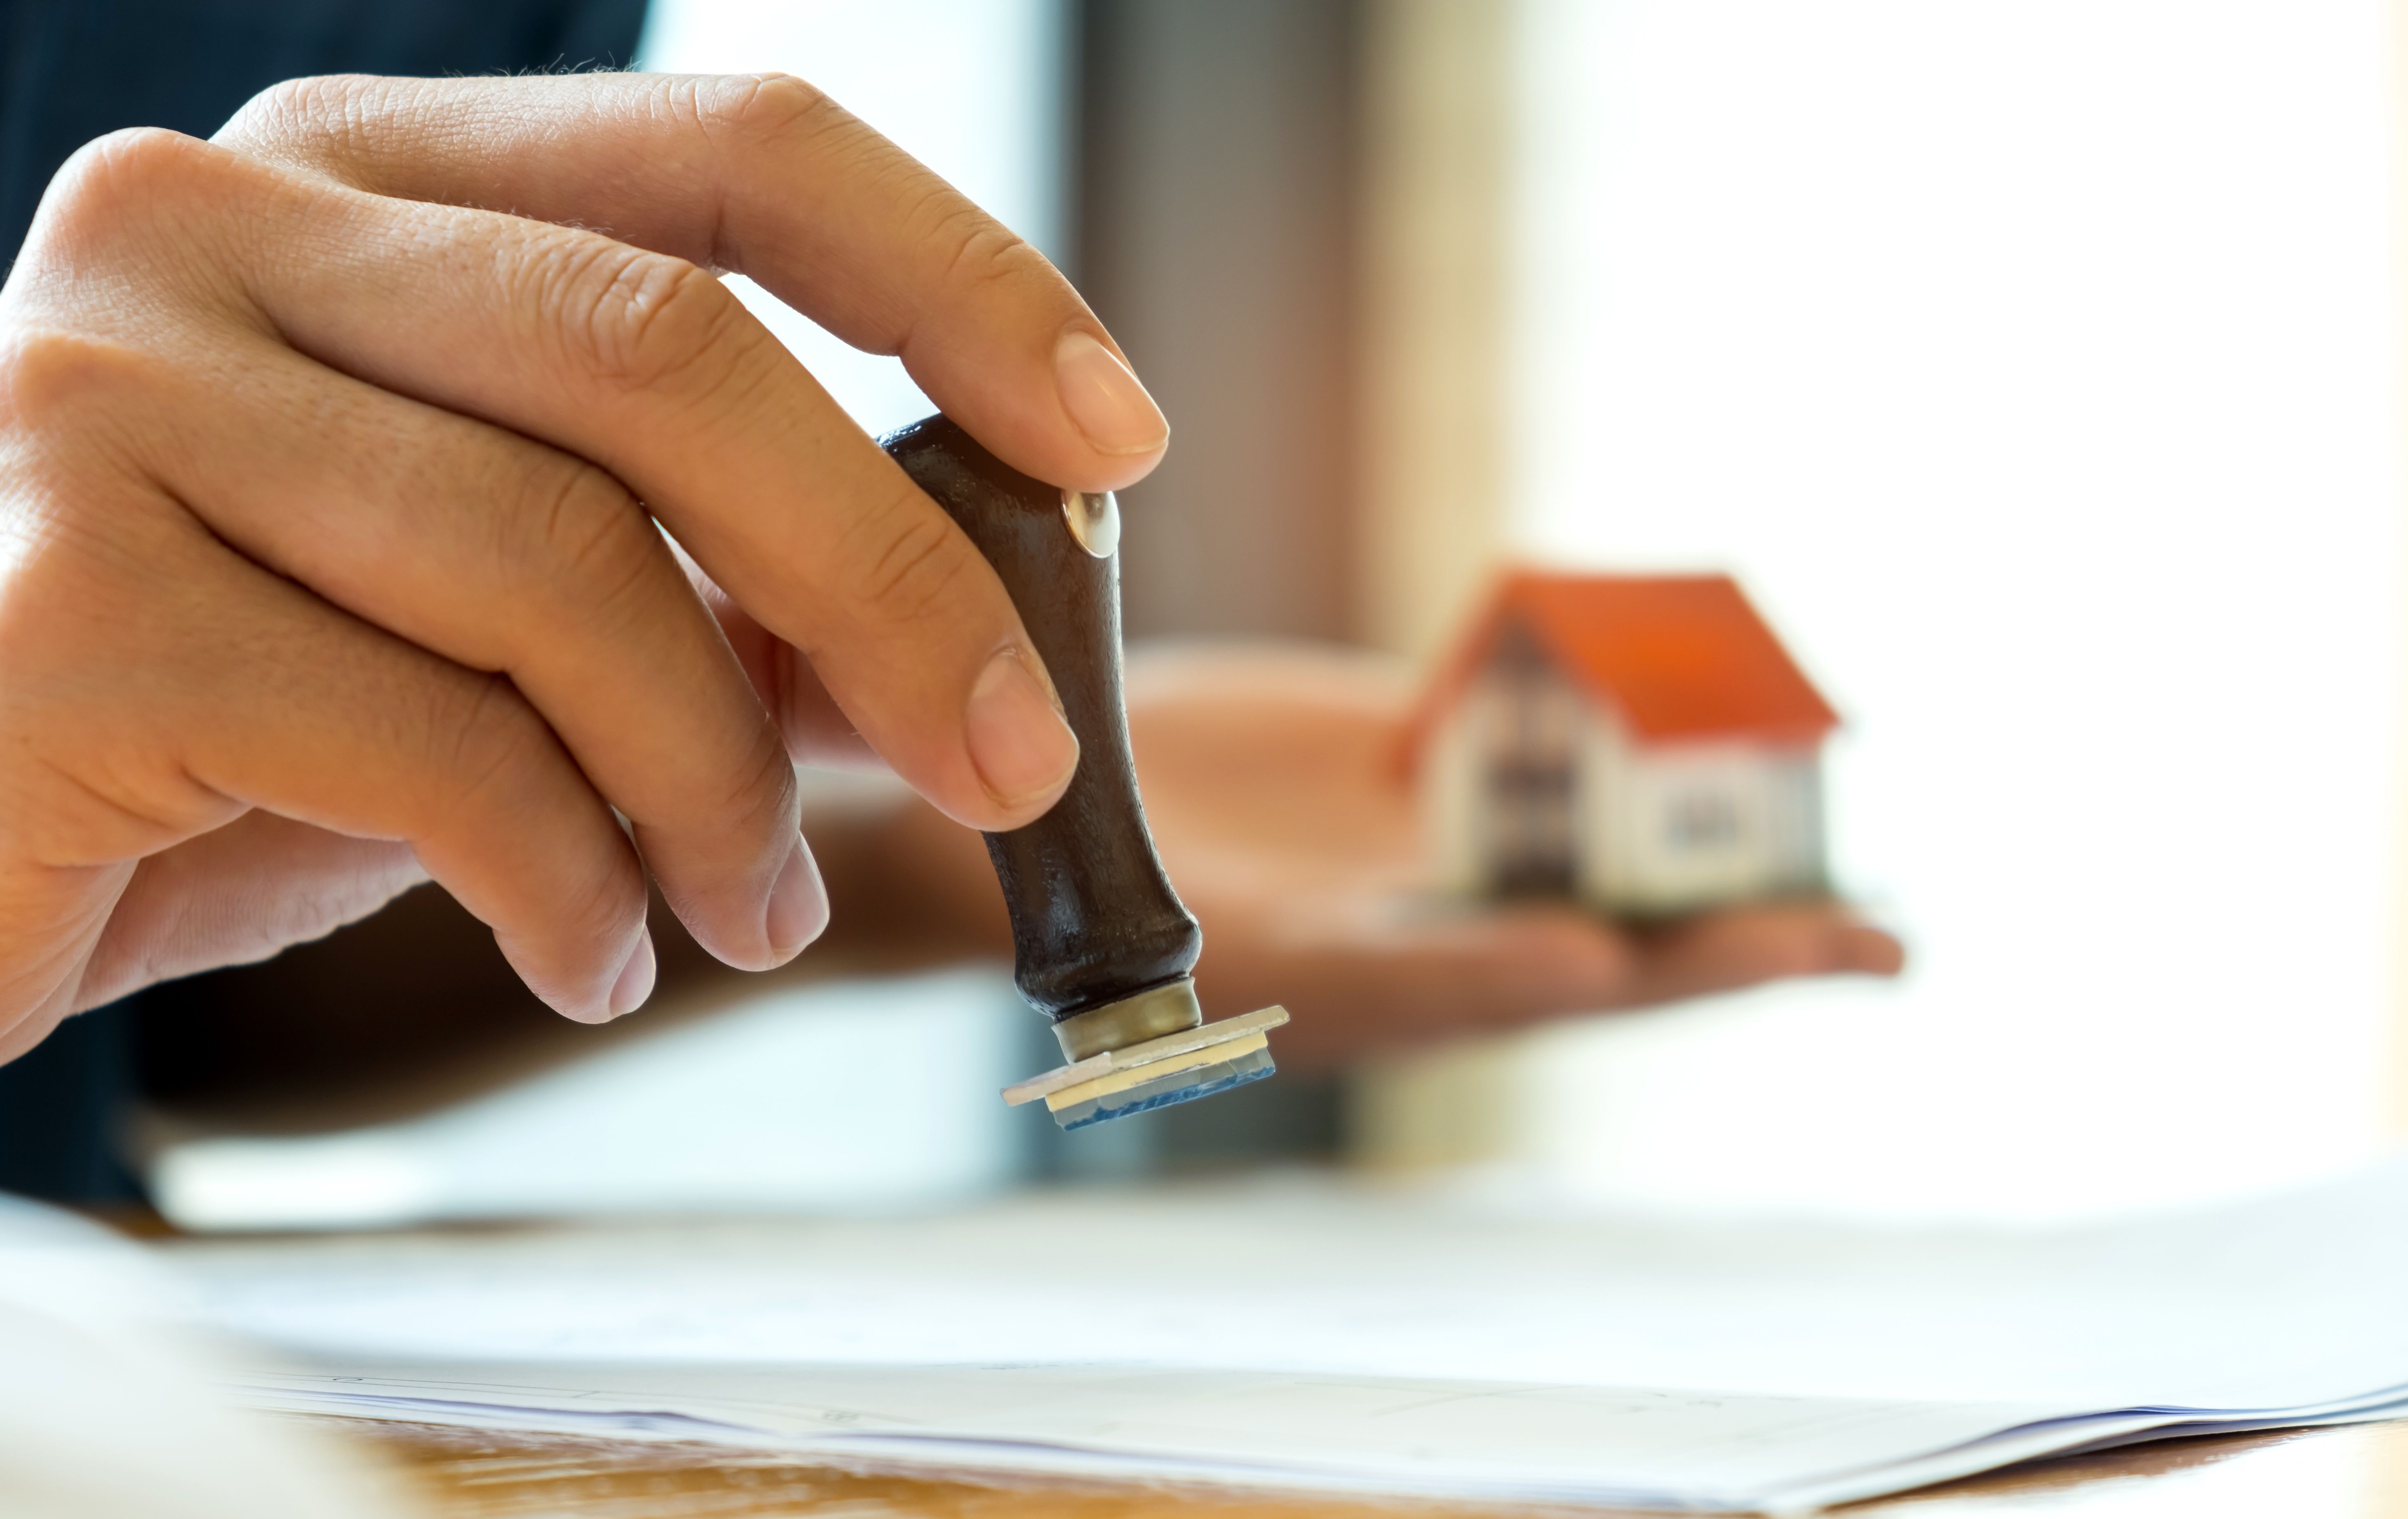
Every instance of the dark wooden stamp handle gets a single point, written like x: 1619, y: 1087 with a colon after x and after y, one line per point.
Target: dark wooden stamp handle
x: 1094, y: 919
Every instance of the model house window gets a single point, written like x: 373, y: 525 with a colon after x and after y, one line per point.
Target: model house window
x: 1701, y: 820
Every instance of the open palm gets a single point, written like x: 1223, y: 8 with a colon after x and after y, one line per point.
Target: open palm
x: 1273, y: 784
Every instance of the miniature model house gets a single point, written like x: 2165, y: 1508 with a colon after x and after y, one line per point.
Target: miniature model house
x: 1640, y: 743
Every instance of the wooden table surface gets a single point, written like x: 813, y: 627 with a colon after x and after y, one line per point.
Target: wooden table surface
x: 2353, y: 1474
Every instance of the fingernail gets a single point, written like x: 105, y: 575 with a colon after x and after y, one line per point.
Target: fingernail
x: 798, y: 906
x: 635, y: 982
x: 1105, y: 399
x: 1018, y: 740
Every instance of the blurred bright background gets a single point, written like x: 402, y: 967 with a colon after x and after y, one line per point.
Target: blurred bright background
x: 2036, y: 368
x: 977, y: 94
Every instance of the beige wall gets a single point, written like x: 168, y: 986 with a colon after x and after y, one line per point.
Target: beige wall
x: 2398, y: 1040
x: 1432, y: 410
x: 1432, y: 313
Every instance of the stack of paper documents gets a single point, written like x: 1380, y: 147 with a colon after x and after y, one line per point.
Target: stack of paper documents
x: 1314, y: 1335
x: 107, y: 1407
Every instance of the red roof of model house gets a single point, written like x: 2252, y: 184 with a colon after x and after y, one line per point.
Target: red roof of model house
x: 1676, y: 657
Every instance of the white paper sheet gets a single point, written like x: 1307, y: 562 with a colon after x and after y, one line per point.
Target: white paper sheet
x: 107, y: 1407
x: 1319, y: 1335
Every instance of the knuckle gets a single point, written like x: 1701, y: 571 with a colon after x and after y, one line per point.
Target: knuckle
x: 488, y: 737
x: 596, y: 896
x: 763, y: 793
x: 50, y: 379
x: 492, y: 750
x: 146, y: 158
x: 600, y: 900
x: 982, y: 252
x: 918, y: 568
x: 642, y: 320
x: 144, y: 225
x: 294, y: 114
x: 124, y: 180
x: 592, y: 551
x: 500, y: 758
x: 774, y: 107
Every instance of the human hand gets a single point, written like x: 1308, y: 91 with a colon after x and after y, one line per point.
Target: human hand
x: 330, y: 458
x: 1273, y: 792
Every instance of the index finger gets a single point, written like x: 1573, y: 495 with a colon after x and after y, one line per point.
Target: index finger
x: 763, y: 176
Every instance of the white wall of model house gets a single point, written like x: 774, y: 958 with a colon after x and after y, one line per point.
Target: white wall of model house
x: 1672, y: 827
x: 1650, y: 828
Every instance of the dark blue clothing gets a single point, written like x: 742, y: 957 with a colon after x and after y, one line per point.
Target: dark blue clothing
x: 72, y: 70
